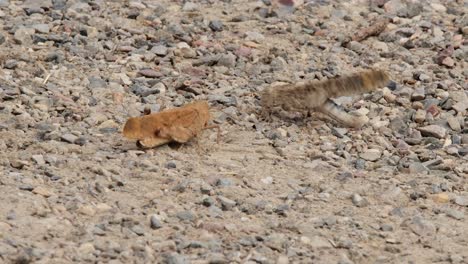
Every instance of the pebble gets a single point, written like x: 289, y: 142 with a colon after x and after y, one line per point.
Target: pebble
x: 227, y: 60
x: 186, y: 216
x: 69, y: 138
x: 282, y: 259
x: 359, y: 201
x: 339, y: 132
x: 421, y: 226
x: 371, y: 154
x: 449, y: 62
x: 139, y: 230
x: 453, y: 123
x: 87, y: 210
x: 39, y: 159
x: 419, y: 93
x: 464, y: 139
x: 41, y: 28
x: 455, y: 214
x: 461, y: 200
x: 441, y: 198
x: 103, y: 207
x: 171, y: 165
x: 316, y: 242
x: 86, y: 248
x: 419, y: 116
x: 174, y: 258
x: 438, y: 7
x: 150, y: 73
x: 42, y: 191
x: 254, y: 36
x: 226, y: 203
x: 155, y: 223
x: 23, y: 36
x: 417, y: 167
x: 380, y: 46
x: 433, y: 131
x: 224, y: 182
x: 216, y: 25
x: 190, y: 7
x: 461, y: 106
x: 159, y: 50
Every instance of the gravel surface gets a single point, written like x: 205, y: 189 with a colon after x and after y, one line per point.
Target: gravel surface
x: 286, y: 190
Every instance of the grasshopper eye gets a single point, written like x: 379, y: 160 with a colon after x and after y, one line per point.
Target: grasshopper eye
x: 147, y: 110
x: 156, y: 132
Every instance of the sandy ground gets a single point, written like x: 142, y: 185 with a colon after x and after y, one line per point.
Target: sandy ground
x: 280, y: 191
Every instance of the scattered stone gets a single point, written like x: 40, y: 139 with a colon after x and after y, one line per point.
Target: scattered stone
x: 10, y: 64
x: 316, y: 242
x: 419, y: 93
x: 339, y: 132
x: 190, y: 7
x: 464, y: 139
x: 254, y: 36
x: 449, y: 62
x: 359, y: 201
x: 417, y: 168
x: 438, y: 7
x: 18, y: 164
x: 174, y: 258
x: 371, y: 154
x: 226, y: 203
x: 282, y: 259
x: 155, y: 223
x: 23, y: 36
x: 455, y: 214
x: 267, y: 180
x: 386, y: 228
x: 461, y: 200
x: 216, y: 25
x: 228, y: 60
x: 139, y: 230
x: 421, y: 226
x: 69, y: 138
x: 41, y: 28
x: 171, y: 164
x: 441, y: 198
x: 42, y: 191
x: 39, y: 159
x: 150, y: 73
x: 186, y: 216
x: 86, y: 248
x: 433, y: 131
x: 159, y: 50
x: 419, y: 116
x: 103, y: 207
x: 73, y: 72
x: 87, y: 210
x: 454, y: 124
x: 461, y: 106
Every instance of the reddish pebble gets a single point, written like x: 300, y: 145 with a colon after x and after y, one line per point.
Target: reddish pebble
x: 433, y: 110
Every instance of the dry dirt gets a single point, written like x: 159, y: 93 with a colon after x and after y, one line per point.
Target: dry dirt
x: 74, y: 190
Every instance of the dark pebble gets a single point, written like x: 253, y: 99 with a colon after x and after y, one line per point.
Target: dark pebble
x: 216, y: 25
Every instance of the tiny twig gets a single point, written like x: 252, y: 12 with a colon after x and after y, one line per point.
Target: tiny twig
x: 46, y: 72
x: 47, y: 78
